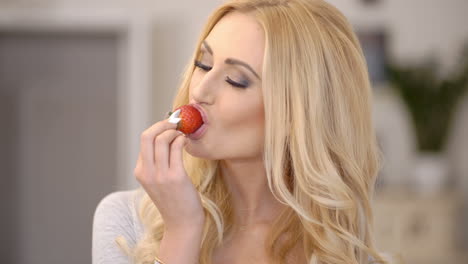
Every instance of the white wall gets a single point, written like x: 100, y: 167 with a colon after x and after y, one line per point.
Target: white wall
x: 417, y: 28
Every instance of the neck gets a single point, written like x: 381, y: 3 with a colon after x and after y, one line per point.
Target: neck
x: 253, y: 201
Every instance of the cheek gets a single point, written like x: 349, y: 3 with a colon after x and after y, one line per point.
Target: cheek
x: 241, y: 111
x: 243, y: 120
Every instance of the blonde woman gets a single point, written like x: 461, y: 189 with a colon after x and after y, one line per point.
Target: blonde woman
x: 284, y: 169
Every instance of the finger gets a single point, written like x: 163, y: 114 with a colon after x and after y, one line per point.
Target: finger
x: 139, y: 160
x: 176, y: 160
x: 161, y: 149
x: 138, y: 165
x: 148, y: 138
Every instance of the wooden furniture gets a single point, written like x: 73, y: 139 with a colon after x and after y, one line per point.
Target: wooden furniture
x: 421, y: 229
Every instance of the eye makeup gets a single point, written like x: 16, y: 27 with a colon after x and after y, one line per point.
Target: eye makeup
x: 202, y: 66
x: 243, y: 83
x: 230, y: 61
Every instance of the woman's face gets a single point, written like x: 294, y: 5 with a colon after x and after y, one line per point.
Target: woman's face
x: 226, y: 84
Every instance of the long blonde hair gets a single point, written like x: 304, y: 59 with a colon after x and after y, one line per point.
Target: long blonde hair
x: 320, y: 154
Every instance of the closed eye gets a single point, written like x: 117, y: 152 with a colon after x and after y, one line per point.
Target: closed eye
x: 206, y: 68
x: 236, y: 84
x: 202, y: 66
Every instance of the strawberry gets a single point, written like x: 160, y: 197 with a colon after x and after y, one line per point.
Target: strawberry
x: 190, y: 119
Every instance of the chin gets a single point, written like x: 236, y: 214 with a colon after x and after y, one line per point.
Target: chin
x: 198, y: 151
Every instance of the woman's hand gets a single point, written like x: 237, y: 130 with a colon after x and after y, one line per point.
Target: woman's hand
x: 161, y: 173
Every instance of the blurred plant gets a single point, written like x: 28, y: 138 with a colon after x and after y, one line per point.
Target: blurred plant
x: 430, y: 100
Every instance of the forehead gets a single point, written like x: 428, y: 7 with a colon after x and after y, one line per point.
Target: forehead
x: 239, y: 36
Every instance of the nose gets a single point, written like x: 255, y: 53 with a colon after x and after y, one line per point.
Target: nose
x: 204, y: 91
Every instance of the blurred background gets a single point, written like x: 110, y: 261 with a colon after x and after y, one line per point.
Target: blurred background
x: 80, y: 81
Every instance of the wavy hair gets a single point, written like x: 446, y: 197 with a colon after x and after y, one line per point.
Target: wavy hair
x: 320, y: 153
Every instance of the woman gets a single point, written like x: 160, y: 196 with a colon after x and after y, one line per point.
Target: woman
x: 285, y: 168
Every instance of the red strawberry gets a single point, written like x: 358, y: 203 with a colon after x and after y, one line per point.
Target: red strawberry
x: 191, y: 119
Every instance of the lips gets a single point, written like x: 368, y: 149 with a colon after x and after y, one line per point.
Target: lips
x: 199, y: 133
x: 201, y: 130
x: 202, y: 112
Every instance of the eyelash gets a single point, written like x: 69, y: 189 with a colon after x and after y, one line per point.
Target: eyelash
x: 228, y: 80
x: 201, y: 66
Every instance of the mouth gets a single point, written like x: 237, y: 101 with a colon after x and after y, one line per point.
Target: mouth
x: 199, y: 133
x: 201, y: 130
x: 202, y: 112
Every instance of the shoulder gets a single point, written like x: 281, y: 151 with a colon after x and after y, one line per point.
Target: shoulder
x: 116, y: 215
x: 120, y: 201
x: 119, y: 209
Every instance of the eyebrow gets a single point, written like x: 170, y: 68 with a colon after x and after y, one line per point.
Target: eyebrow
x: 232, y: 61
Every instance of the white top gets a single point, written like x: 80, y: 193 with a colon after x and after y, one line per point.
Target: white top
x: 116, y: 215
